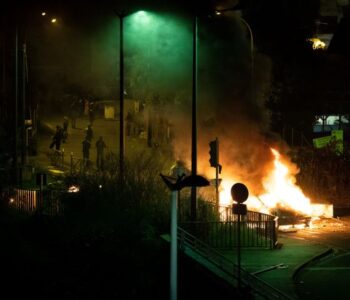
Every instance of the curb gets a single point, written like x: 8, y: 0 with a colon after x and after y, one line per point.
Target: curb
x: 313, y: 259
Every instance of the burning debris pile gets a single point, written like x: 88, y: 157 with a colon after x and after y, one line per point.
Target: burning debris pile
x: 282, y: 197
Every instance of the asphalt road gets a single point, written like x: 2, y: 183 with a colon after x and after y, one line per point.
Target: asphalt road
x: 108, y: 129
x: 329, y: 276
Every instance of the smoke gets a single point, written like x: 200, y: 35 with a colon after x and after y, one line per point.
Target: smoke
x: 158, y: 55
x: 230, y: 105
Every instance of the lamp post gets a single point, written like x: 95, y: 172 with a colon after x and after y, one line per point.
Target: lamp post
x: 121, y: 16
x: 194, y: 121
x: 175, y: 185
x: 15, y: 152
x: 21, y: 77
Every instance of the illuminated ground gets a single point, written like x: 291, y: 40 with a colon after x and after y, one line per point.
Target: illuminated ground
x: 326, y: 278
x: 108, y: 129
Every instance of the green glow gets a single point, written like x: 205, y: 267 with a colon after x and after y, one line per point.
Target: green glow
x: 141, y: 17
x: 158, y: 54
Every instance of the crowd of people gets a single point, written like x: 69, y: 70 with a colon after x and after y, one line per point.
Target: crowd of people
x: 76, y: 109
x: 149, y: 124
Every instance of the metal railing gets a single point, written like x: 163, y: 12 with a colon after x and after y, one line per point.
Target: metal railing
x: 223, y: 235
x: 24, y: 200
x: 220, y: 229
x: 248, y: 280
x: 30, y: 201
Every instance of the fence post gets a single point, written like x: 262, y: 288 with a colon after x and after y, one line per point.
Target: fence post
x: 71, y: 163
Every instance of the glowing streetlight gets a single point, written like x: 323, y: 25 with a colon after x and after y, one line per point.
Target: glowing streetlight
x: 53, y: 20
x: 143, y: 16
x: 43, y: 13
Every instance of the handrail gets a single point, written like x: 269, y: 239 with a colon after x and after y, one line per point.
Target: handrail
x: 221, y: 234
x: 247, y: 279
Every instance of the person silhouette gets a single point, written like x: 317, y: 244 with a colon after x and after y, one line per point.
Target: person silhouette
x: 100, y: 146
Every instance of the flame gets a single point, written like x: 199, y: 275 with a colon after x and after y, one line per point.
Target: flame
x: 73, y: 189
x: 317, y: 44
x: 281, y: 192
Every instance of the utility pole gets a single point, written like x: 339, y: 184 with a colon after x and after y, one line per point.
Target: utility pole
x: 194, y: 121
x: 15, y: 152
x: 23, y: 119
x: 121, y: 16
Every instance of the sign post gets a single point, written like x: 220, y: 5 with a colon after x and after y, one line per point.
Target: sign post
x: 175, y: 185
x: 239, y: 193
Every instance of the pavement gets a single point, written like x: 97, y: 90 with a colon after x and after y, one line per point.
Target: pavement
x: 327, y: 278
x: 278, y: 267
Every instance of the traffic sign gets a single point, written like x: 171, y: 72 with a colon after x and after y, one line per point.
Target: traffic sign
x: 239, y: 192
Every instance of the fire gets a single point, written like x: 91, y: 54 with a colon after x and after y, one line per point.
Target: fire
x: 281, y: 192
x: 317, y: 44
x: 281, y: 189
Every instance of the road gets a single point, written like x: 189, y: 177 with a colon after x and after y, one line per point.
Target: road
x: 328, y: 277
x: 108, y: 129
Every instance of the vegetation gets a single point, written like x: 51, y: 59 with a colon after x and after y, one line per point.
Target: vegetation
x: 324, y: 174
x: 106, y: 245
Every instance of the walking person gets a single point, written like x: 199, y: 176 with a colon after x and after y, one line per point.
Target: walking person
x: 86, y: 152
x: 100, y: 146
x: 57, y: 138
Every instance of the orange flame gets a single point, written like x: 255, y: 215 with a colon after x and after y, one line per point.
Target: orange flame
x: 281, y: 191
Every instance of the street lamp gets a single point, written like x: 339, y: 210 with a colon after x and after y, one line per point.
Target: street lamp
x: 175, y: 185
x: 194, y: 99
x: 121, y: 16
x: 21, y: 78
x: 194, y: 120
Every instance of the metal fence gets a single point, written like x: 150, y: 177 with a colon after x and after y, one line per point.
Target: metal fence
x: 24, y: 200
x: 30, y: 201
x: 256, y: 229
